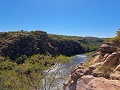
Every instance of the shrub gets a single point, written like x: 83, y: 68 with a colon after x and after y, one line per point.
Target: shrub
x: 105, y: 71
x: 21, y: 59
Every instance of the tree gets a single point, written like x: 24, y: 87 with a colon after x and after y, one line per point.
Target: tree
x: 118, y: 32
x: 21, y: 59
x: 116, y: 40
x: 32, y: 74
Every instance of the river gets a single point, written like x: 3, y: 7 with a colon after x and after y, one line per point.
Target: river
x: 57, y: 76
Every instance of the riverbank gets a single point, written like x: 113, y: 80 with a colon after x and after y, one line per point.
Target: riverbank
x: 102, y: 73
x: 62, y: 71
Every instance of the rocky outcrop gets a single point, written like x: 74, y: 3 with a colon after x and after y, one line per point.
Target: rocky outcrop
x: 104, y: 74
x: 92, y: 83
x: 16, y: 44
x: 76, y: 74
x: 83, y: 78
x: 101, y: 57
x: 115, y: 75
x: 112, y: 59
x: 27, y: 44
x: 107, y: 47
x: 109, y: 55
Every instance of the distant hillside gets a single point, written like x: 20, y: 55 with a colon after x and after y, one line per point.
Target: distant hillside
x: 16, y: 44
x: 88, y: 43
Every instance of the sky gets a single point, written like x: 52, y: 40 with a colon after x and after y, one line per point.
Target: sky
x: 96, y: 18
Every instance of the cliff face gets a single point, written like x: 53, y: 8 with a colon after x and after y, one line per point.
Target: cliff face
x: 15, y: 44
x: 103, y: 74
x: 67, y: 47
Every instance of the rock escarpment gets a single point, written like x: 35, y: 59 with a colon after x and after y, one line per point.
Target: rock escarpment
x: 16, y: 44
x: 103, y: 74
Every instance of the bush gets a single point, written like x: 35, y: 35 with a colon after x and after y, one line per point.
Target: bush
x: 105, y: 71
x: 21, y: 59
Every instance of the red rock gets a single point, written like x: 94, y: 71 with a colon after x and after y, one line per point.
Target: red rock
x: 115, y: 75
x: 112, y: 59
x: 117, y: 68
x: 92, y: 83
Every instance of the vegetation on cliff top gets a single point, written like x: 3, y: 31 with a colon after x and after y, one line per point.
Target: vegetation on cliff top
x: 16, y: 44
x: 116, y: 40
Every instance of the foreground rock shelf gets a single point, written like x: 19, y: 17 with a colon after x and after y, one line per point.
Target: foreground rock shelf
x: 103, y: 74
x: 90, y: 82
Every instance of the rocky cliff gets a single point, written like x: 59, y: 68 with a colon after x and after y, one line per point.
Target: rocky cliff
x: 16, y: 44
x: 102, y: 74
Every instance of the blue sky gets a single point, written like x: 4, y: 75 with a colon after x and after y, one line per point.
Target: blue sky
x: 99, y: 18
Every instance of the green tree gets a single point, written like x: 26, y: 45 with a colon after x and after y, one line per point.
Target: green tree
x: 116, y: 40
x: 21, y: 59
x: 118, y: 32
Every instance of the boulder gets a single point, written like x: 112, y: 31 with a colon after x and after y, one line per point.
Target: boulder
x: 75, y: 76
x: 87, y: 71
x: 97, y: 73
x: 107, y: 48
x: 68, y: 80
x: 80, y: 72
x: 117, y: 68
x: 94, y: 66
x: 105, y: 56
x: 99, y: 57
x: 74, y: 69
x: 112, y: 59
x: 115, y: 75
x: 81, y: 67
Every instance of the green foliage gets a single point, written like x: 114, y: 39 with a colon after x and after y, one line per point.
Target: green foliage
x: 26, y: 57
x: 89, y: 62
x: 89, y: 53
x: 116, y: 40
x: 118, y: 32
x: 90, y: 59
x: 7, y: 65
x: 75, y: 45
x: 16, y: 44
x: 62, y: 59
x: 21, y: 59
x: 105, y: 71
x: 28, y: 75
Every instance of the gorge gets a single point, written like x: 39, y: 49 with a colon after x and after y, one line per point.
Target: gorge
x: 27, y: 58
